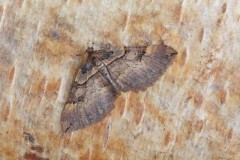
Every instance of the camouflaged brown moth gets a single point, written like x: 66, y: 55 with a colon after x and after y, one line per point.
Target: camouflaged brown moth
x: 108, y: 72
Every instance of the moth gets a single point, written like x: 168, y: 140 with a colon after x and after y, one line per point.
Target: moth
x: 108, y: 72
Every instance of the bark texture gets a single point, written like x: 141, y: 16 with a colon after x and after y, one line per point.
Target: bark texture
x: 191, y: 112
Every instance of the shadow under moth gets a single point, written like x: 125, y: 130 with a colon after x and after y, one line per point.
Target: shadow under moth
x: 107, y: 73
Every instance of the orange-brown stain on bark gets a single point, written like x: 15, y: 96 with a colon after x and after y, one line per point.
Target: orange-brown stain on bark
x: 11, y: 74
x: 37, y: 148
x: 55, y: 43
x: 222, y: 94
x: 1, y: 11
x: 177, y: 11
x: 198, y: 125
x: 234, y: 88
x: 219, y: 21
x: 183, y: 58
x: 120, y: 105
x: 179, y: 139
x: 118, y: 146
x: 86, y: 156
x: 230, y: 133
x: 33, y: 156
x: 167, y: 138
x: 97, y: 152
x: 123, y: 22
x: 211, y: 107
x: 201, y: 34
x: 56, y: 40
x: 136, y: 107
x: 218, y: 125
x: 20, y: 2
x: 53, y: 88
x: 38, y: 88
x: 224, y: 8
x: 5, y: 109
x: 155, y: 112
x: 54, y: 143
x: 197, y: 98
x: 188, y: 130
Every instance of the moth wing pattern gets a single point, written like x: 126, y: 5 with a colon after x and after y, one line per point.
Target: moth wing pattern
x: 94, y: 91
x: 81, y: 78
x: 138, y: 74
x: 98, y: 100
x: 113, y: 56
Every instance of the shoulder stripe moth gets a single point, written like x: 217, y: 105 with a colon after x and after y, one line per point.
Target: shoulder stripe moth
x: 108, y: 72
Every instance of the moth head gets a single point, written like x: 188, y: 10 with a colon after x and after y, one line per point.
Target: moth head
x: 90, y: 50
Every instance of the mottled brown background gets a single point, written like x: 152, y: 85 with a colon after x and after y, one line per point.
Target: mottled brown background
x: 192, y: 112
